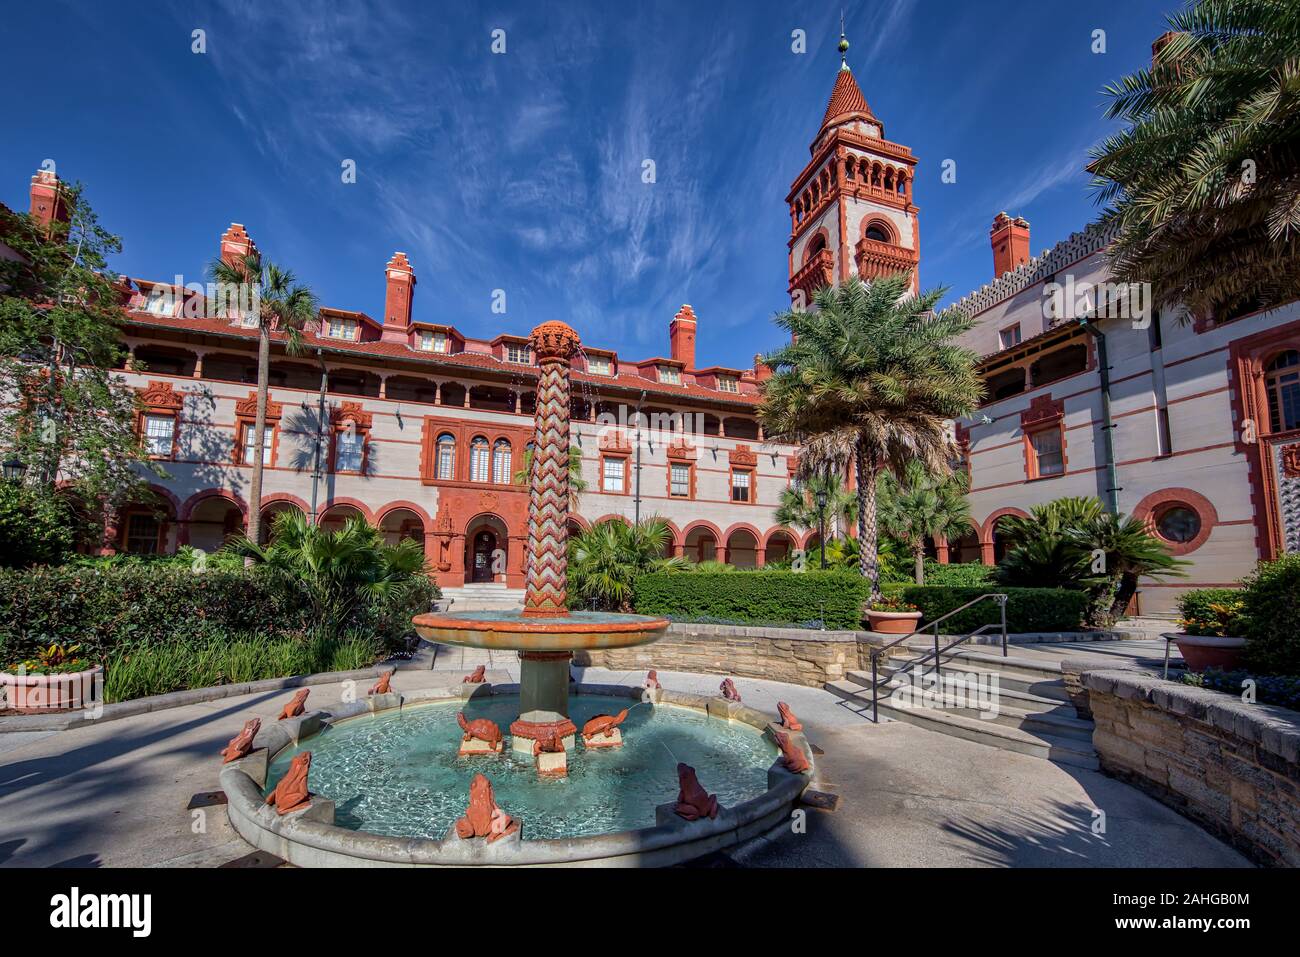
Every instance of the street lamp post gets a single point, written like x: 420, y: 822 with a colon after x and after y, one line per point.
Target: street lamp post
x: 821, y: 497
x: 14, y: 469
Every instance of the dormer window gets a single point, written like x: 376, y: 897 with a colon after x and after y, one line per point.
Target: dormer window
x: 433, y: 341
x: 518, y: 353
x: 670, y: 375
x: 600, y: 365
x: 728, y: 383
x: 339, y: 328
x: 160, y: 301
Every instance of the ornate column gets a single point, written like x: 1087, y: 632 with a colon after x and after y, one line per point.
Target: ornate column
x: 553, y: 343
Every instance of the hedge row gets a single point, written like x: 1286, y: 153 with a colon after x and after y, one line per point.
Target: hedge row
x: 767, y: 597
x: 837, y: 599
x: 103, y: 608
x: 1028, y: 609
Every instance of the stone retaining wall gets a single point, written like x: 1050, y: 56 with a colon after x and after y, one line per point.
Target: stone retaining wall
x: 792, y: 655
x: 1232, y: 767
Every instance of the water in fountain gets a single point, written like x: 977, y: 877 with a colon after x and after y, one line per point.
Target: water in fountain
x: 397, y: 773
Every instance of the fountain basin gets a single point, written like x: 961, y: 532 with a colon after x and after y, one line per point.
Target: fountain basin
x: 313, y: 837
x: 512, y: 631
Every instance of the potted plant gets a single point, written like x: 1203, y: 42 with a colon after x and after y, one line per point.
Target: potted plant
x: 893, y: 616
x: 56, y: 680
x: 1207, y: 640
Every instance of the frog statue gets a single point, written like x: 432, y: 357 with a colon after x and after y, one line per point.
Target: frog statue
x: 381, y: 686
x: 693, y: 802
x: 297, y: 705
x: 788, y: 720
x: 483, y: 818
x: 291, y: 793
x: 242, y: 744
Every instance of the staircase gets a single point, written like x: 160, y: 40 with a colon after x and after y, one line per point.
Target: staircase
x: 1029, y: 712
x: 483, y: 596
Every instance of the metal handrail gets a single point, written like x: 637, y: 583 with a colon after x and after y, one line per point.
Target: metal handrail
x: 936, y: 654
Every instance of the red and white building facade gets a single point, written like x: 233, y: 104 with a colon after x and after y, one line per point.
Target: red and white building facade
x: 425, y: 427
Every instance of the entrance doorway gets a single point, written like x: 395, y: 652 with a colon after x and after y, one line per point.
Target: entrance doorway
x: 485, y: 546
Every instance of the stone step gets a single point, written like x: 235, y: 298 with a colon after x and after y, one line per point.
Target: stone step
x: 1062, y: 721
x: 1041, y: 744
x: 1038, y: 683
x: 1023, y: 700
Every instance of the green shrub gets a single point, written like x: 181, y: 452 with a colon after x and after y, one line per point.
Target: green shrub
x: 964, y: 575
x: 1272, y: 628
x: 1028, y: 609
x: 838, y: 600
x: 835, y: 598
x: 36, y: 527
x: 139, y: 669
x: 152, y: 605
x: 1213, y: 612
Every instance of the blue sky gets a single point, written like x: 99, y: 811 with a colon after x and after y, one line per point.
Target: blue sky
x: 522, y: 171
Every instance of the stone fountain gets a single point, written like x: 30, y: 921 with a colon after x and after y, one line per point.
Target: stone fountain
x: 545, y: 633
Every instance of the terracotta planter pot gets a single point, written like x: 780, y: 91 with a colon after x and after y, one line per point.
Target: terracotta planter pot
x: 1202, y: 651
x: 893, y: 622
x: 34, y: 694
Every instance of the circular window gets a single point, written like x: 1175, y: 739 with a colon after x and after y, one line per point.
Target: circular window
x: 1178, y: 524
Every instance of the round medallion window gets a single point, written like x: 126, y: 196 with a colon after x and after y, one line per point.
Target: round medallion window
x: 1178, y: 524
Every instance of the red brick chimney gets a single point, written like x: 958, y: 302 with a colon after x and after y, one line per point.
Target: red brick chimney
x: 681, y: 337
x: 762, y: 371
x: 49, y: 202
x: 236, y: 244
x: 398, y: 298
x: 1010, y: 240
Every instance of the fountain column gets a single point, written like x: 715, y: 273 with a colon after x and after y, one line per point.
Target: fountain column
x: 544, y: 675
x: 546, y: 580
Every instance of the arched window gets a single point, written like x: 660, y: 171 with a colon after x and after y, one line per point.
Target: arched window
x: 478, y: 459
x: 446, y: 455
x: 878, y: 234
x: 815, y: 245
x: 501, y: 462
x: 1282, y: 380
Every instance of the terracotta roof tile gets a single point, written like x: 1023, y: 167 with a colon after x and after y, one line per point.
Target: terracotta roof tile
x: 379, y: 349
x: 846, y: 98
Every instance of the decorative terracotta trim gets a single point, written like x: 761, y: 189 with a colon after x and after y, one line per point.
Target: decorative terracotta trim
x: 1154, y: 504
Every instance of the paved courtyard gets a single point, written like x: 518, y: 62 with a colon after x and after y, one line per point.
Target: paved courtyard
x: 115, y: 794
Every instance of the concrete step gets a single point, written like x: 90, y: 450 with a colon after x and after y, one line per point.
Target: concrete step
x: 1023, y: 700
x: 1052, y: 746
x: 1003, y: 709
x: 1037, y: 683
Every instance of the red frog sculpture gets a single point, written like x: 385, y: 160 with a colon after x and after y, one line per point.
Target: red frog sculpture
x: 480, y: 728
x: 297, y: 705
x: 693, y: 802
x: 652, y: 681
x: 602, y: 724
x: 792, y: 757
x: 242, y: 744
x: 474, y: 677
x: 728, y: 689
x: 788, y: 720
x: 291, y: 793
x: 483, y: 818
x: 551, y: 745
x: 381, y: 686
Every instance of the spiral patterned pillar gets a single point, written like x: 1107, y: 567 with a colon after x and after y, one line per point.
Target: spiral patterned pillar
x: 546, y: 582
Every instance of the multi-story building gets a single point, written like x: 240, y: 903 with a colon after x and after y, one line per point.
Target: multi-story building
x: 1191, y: 422
x: 422, y: 430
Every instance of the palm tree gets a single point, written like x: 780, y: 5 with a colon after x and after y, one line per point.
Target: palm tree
x: 1074, y: 542
x: 340, y: 570
x: 871, y: 374
x: 921, y: 506
x: 605, y: 560
x: 283, y: 305
x: 1204, y: 185
x: 798, y: 508
x: 577, y: 484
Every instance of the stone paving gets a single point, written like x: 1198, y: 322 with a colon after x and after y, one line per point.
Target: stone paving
x: 115, y: 794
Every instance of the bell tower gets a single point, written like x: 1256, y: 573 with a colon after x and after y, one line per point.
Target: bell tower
x: 851, y: 207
